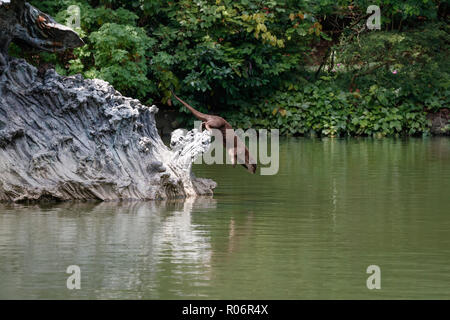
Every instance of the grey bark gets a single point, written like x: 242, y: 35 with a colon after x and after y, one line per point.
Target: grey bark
x: 67, y: 138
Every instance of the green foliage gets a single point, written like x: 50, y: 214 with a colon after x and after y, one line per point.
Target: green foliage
x: 255, y: 61
x: 324, y: 109
x: 414, y: 63
x: 223, y: 47
x: 120, y: 55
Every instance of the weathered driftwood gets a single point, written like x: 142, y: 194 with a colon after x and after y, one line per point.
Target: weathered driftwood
x: 67, y: 138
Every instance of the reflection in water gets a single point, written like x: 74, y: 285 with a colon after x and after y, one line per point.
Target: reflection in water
x: 118, y: 246
x: 336, y: 207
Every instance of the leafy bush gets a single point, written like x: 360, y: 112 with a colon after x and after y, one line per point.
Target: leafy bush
x: 120, y: 55
x: 256, y: 62
x: 414, y: 63
x: 324, y: 109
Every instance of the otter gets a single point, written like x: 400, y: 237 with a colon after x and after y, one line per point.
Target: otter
x: 215, y: 122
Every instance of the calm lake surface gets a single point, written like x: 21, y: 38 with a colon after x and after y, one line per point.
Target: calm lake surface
x: 310, y: 232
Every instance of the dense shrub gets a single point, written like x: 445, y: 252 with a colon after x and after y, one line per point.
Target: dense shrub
x: 255, y: 62
x: 323, y: 109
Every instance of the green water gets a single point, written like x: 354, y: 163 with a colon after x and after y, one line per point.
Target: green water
x: 310, y: 232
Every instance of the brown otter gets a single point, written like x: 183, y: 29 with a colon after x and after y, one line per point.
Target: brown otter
x: 215, y: 122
